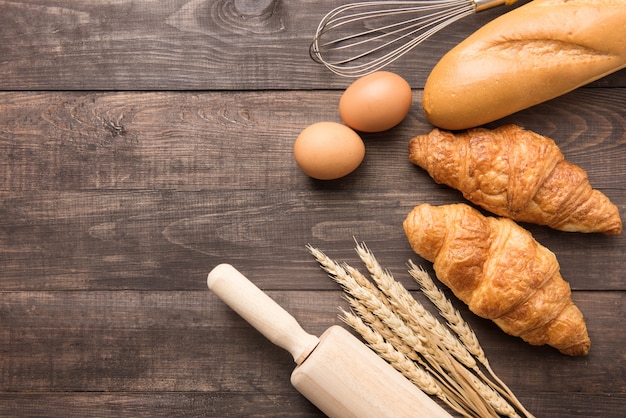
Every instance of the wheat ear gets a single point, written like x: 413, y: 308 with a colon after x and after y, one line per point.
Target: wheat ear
x: 400, y: 362
x: 402, y: 300
x: 370, y: 302
x: 450, y: 314
x: 367, y: 297
x: 462, y: 330
x: 362, y: 290
x: 377, y: 304
x: 410, y: 309
x: 402, y: 331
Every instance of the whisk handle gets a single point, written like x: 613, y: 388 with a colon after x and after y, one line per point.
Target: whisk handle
x: 480, y: 5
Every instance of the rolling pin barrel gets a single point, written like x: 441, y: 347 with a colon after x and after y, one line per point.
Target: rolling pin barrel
x: 337, y: 372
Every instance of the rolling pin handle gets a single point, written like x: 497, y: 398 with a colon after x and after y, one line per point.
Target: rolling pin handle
x: 261, y: 311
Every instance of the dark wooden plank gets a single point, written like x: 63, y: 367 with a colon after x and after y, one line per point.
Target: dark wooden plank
x: 167, y: 241
x: 166, y: 404
x: 185, y: 45
x: 112, y: 191
x: 225, y: 141
x: 258, y: 405
x: 114, y: 205
x: 169, y: 346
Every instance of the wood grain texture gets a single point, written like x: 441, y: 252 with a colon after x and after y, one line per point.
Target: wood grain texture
x: 188, y: 344
x: 145, y: 240
x: 142, y: 143
x: 255, y: 404
x: 244, y: 140
x: 185, y: 45
x: 104, y: 190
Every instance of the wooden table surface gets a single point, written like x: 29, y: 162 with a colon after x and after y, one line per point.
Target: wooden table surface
x: 144, y: 142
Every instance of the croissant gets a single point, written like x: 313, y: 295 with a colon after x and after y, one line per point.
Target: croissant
x: 516, y: 173
x: 501, y: 272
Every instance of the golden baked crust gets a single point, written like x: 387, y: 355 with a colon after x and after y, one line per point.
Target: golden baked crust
x: 498, y: 269
x: 534, y: 53
x: 516, y: 173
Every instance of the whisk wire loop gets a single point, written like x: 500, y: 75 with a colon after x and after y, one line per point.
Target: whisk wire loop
x: 359, y: 38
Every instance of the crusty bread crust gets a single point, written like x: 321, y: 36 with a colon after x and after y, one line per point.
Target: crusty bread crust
x: 501, y: 272
x: 519, y: 174
x: 529, y: 55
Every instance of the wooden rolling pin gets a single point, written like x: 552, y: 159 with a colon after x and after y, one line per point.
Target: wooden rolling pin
x: 336, y: 372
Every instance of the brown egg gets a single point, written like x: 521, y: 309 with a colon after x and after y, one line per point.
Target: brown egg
x: 376, y: 102
x: 328, y: 150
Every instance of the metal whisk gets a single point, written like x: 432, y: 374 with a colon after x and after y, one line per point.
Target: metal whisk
x: 359, y: 38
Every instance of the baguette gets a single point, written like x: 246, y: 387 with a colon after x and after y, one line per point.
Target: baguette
x: 527, y: 56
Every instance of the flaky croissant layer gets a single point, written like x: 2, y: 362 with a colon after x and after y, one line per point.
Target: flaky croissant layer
x: 501, y: 272
x: 516, y: 173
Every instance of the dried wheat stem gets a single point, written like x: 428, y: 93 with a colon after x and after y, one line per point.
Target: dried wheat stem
x: 374, y: 301
x: 409, y: 337
x: 428, y: 357
x: 450, y: 314
x: 463, y: 330
x: 421, y: 340
x: 391, y: 322
x: 410, y: 309
x: 499, y: 404
x: 387, y: 320
x: 387, y: 333
x: 404, y: 365
x: 472, y: 392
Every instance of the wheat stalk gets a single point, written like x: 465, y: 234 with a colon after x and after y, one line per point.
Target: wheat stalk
x: 500, y: 405
x: 449, y: 313
x: 410, y: 308
x: 403, y: 332
x: 365, y: 296
x: 375, y: 302
x: 440, y: 340
x: 461, y: 328
x: 368, y: 295
x: 420, y: 377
